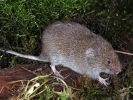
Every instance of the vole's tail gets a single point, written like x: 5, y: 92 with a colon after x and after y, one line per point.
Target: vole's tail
x: 22, y: 55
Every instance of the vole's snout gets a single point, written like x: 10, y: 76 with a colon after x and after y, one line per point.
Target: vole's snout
x: 115, y: 69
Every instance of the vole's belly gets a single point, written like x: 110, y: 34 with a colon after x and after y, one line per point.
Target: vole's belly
x: 58, y: 59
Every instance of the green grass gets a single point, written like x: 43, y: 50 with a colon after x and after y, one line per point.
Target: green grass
x: 22, y: 22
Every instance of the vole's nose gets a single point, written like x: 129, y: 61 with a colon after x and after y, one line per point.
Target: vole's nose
x: 115, y: 69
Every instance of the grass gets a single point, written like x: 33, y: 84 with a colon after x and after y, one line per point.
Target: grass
x: 22, y: 22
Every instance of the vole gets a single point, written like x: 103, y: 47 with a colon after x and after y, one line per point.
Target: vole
x: 75, y: 46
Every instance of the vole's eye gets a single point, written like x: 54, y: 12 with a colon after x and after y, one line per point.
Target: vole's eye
x: 109, y: 62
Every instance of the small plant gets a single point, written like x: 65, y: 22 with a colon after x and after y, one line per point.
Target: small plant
x: 38, y: 88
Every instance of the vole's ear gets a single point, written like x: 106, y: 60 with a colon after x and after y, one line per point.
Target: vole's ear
x: 90, y: 53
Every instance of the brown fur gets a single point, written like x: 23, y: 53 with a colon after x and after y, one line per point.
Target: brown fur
x: 65, y: 43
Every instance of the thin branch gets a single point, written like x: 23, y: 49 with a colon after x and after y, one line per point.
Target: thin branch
x: 127, y: 53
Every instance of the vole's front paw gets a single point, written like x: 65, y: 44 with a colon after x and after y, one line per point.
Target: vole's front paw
x: 103, y: 81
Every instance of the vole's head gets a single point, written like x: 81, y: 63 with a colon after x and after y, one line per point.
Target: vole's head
x: 104, y: 58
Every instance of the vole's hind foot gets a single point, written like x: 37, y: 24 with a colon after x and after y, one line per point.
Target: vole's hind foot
x: 56, y: 72
x: 65, y: 75
x: 103, y: 81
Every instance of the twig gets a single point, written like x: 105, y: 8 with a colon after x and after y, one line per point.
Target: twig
x: 127, y: 53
